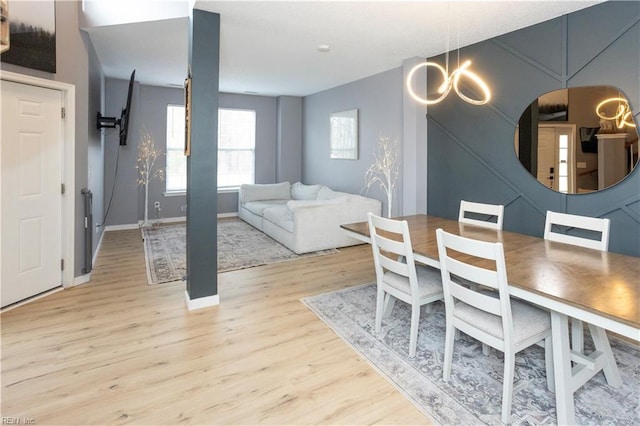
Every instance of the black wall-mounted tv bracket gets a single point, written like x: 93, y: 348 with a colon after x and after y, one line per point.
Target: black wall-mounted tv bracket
x: 103, y: 122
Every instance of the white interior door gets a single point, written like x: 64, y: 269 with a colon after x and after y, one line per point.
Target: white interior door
x: 31, y: 221
x: 556, y: 157
x: 547, y: 157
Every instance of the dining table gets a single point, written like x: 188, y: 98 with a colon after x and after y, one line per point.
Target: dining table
x: 600, y: 288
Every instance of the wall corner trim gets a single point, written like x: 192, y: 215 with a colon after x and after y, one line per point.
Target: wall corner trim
x: 201, y: 302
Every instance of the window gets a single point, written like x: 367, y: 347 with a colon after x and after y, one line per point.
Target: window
x: 563, y: 164
x: 236, y: 148
x: 176, y: 173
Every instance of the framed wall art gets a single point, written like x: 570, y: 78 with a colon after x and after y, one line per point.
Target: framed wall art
x: 4, y: 25
x: 32, y: 34
x: 187, y: 116
x: 344, y: 135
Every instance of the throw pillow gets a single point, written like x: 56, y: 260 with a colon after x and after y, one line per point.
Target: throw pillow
x: 300, y: 191
x: 270, y: 191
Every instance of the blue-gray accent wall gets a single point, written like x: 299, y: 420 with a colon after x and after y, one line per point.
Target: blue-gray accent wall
x: 471, y: 149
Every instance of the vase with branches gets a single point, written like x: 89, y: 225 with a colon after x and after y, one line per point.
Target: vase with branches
x: 384, y: 170
x: 147, y: 170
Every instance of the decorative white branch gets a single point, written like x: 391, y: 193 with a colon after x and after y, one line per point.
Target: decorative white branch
x: 147, y: 156
x: 384, y: 170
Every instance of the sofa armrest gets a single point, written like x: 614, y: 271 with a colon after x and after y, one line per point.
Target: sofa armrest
x: 323, y: 218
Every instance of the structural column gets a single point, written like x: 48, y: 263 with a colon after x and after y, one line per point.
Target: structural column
x: 202, y: 164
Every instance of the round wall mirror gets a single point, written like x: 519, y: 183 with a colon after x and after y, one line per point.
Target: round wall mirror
x: 578, y: 140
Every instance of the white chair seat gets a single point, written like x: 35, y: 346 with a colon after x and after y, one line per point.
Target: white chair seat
x: 527, y: 320
x: 429, y: 281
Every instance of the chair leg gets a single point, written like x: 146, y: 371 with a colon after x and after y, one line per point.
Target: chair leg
x: 415, y: 322
x: 389, y: 303
x: 448, y: 350
x: 507, y: 385
x: 548, y: 361
x: 486, y: 349
x: 379, y: 308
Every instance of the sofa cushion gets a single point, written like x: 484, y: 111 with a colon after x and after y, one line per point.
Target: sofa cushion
x: 258, y: 207
x: 293, y: 204
x: 280, y: 216
x: 329, y: 194
x: 300, y: 191
x: 270, y: 191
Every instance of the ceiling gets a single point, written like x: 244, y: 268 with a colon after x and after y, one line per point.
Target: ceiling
x: 271, y: 48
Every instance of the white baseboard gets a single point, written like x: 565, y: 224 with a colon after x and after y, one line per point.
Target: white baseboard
x: 128, y: 226
x: 121, y: 227
x: 81, y: 279
x: 201, y: 302
x: 95, y: 254
x: 163, y: 220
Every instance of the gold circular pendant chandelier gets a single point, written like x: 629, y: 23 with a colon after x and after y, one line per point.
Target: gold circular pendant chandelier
x: 449, y: 82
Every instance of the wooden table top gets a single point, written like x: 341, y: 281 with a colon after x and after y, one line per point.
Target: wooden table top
x: 604, y: 283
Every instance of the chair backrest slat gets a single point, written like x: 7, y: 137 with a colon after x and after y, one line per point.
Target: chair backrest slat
x: 594, y: 225
x: 489, y: 210
x: 473, y: 273
x: 389, y: 245
x: 392, y: 251
x: 393, y: 265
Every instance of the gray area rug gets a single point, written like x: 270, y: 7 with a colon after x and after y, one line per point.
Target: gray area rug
x: 474, y: 393
x: 240, y: 246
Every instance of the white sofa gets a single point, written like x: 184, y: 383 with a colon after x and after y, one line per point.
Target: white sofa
x: 303, y: 218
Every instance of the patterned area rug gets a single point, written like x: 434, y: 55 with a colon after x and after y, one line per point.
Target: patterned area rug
x: 474, y: 393
x: 240, y: 246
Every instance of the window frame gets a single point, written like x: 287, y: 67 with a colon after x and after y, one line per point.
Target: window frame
x: 235, y: 187
x: 180, y: 149
x: 221, y: 189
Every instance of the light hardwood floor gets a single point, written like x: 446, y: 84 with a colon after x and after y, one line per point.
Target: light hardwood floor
x: 118, y: 351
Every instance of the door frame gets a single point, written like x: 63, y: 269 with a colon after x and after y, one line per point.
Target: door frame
x: 572, y: 151
x: 68, y: 164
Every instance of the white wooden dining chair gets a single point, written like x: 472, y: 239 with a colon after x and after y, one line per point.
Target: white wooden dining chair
x: 492, y: 317
x: 598, y: 228
x: 479, y: 214
x: 397, y: 275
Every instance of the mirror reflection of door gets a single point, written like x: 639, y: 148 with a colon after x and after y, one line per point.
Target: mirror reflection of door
x: 555, y: 154
x: 563, y: 140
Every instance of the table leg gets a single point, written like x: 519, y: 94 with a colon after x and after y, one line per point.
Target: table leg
x: 562, y: 368
x: 610, y: 368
